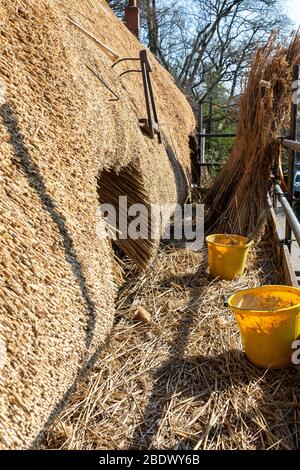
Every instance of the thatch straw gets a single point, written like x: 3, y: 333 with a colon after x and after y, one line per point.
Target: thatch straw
x: 129, y: 183
x: 239, y: 193
x: 58, y: 130
x: 181, y: 381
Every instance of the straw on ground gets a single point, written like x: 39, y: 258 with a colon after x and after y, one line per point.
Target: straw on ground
x: 179, y: 380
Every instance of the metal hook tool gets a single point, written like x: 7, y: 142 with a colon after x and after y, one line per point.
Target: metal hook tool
x: 103, y: 83
x: 149, y: 125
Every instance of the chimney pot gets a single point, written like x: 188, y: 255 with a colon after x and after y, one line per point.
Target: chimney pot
x: 132, y: 18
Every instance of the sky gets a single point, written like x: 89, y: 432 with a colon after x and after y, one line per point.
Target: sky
x: 293, y: 9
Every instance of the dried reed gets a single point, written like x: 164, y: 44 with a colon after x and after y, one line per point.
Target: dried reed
x: 181, y: 381
x: 239, y: 193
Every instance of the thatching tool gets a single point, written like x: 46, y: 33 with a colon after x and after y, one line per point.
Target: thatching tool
x: 149, y: 125
x: 103, y: 83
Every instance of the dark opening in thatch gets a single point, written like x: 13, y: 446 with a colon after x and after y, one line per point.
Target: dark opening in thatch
x: 128, y: 183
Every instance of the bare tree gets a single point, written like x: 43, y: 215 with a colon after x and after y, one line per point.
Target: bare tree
x: 205, y: 43
x: 118, y: 6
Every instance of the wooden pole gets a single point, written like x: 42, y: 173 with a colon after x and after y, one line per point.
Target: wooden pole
x: 109, y: 52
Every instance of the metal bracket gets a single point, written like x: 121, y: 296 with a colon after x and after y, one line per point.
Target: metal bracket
x: 285, y: 242
x: 149, y: 125
x: 116, y: 97
x: 287, y: 197
x: 125, y: 59
x: 130, y: 71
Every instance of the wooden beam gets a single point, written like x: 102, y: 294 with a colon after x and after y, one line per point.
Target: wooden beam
x: 282, y: 252
x: 109, y: 52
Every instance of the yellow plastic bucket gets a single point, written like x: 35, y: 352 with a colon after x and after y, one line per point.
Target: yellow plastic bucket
x: 269, y: 322
x: 227, y: 255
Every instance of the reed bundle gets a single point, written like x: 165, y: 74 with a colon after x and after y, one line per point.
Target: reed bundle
x: 128, y: 182
x: 239, y: 193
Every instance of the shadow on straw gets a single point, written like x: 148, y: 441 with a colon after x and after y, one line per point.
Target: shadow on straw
x: 36, y: 181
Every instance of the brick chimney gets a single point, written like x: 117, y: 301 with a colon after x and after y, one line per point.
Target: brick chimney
x: 132, y: 18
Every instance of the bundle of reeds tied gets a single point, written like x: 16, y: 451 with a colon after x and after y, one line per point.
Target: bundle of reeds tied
x: 239, y: 194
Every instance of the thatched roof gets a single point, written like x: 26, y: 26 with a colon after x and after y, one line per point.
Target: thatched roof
x: 58, y: 132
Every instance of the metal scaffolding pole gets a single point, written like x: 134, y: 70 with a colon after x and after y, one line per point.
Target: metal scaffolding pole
x: 292, y: 153
x: 291, y: 218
